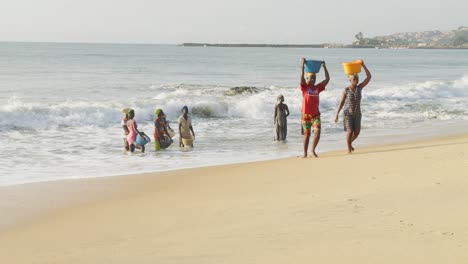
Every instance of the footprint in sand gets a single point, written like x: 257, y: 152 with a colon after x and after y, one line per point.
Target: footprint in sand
x: 440, y: 233
x: 356, y: 207
x: 447, y: 233
x: 405, y: 225
x: 387, y: 213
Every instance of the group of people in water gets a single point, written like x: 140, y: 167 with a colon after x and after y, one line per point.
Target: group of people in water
x: 163, y: 133
x: 350, y: 100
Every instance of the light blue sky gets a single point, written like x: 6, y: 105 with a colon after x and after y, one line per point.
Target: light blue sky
x: 218, y: 21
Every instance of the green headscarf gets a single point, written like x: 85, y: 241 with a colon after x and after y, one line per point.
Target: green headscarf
x: 157, y: 111
x: 131, y: 114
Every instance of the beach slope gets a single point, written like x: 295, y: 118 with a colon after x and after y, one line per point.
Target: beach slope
x: 403, y: 203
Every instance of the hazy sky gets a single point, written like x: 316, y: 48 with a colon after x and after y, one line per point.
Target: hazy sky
x: 219, y: 21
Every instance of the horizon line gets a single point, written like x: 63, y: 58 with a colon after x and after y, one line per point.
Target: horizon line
x: 86, y: 42
x: 174, y: 44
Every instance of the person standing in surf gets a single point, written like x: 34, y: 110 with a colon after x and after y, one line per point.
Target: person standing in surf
x: 162, y: 138
x: 185, y: 127
x: 169, y: 129
x: 280, y: 121
x: 133, y: 132
x: 352, y: 111
x: 310, y: 105
x: 123, y: 123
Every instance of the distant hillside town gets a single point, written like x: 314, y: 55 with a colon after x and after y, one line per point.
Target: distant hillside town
x: 455, y: 39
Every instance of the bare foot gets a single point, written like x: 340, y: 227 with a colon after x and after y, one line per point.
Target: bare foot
x: 303, y: 157
x: 315, y: 154
x: 352, y: 148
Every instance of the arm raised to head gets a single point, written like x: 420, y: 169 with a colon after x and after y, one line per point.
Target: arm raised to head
x: 327, y: 75
x: 368, y: 76
x: 302, y: 81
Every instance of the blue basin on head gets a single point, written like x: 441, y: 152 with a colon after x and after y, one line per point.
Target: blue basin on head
x: 312, y: 66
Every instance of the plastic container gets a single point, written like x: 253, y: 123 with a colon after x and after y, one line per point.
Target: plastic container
x: 165, y: 142
x: 352, y: 67
x: 188, y: 142
x: 312, y: 66
x: 142, y: 140
x: 171, y: 132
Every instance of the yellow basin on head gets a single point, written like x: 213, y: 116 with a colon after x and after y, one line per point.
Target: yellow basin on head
x: 352, y: 67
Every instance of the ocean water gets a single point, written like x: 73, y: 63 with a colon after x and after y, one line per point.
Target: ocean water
x: 60, y: 103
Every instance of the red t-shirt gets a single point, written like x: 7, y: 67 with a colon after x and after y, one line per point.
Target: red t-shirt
x: 311, y: 99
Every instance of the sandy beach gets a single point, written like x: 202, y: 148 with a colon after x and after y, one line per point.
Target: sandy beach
x: 402, y: 203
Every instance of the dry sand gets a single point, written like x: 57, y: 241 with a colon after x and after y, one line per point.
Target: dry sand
x: 402, y: 203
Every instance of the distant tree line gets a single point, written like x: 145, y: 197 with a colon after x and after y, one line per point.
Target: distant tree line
x: 461, y: 37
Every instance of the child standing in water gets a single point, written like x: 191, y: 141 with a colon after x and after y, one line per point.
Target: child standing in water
x: 281, y: 113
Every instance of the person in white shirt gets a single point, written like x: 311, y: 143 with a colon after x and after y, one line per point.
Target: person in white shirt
x: 185, y: 127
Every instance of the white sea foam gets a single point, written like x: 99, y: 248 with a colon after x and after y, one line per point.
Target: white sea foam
x: 429, y: 90
x: 445, y: 100
x: 39, y: 116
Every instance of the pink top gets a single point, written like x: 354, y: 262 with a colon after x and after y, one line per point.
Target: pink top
x: 132, y: 127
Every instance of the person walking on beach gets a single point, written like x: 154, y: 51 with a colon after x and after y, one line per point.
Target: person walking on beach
x: 310, y: 106
x: 123, y: 123
x: 280, y: 121
x: 133, y: 132
x: 352, y: 111
x: 185, y: 127
x: 162, y: 138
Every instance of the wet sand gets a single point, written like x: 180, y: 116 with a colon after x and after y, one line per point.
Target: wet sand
x: 402, y: 203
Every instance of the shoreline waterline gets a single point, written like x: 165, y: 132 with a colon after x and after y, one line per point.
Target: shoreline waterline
x: 366, y: 140
x: 60, y: 188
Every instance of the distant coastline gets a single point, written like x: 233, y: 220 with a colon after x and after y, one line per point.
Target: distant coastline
x: 253, y: 45
x: 454, y: 39
x: 244, y: 45
x: 324, y: 46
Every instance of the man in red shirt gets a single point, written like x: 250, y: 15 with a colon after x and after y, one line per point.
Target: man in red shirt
x: 310, y: 106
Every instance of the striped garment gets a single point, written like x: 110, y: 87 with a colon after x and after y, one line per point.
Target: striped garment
x: 353, y: 101
x: 352, y: 109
